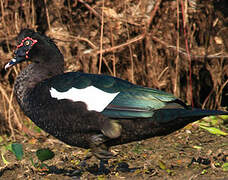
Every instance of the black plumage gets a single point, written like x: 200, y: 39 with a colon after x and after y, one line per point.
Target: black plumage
x: 49, y: 97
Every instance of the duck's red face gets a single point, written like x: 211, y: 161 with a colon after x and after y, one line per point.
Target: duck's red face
x: 22, y: 51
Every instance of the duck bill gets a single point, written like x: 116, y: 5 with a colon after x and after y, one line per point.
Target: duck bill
x: 10, y: 64
x: 20, y: 55
x: 13, y: 62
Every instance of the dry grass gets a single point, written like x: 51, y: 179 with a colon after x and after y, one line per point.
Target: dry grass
x: 145, y: 42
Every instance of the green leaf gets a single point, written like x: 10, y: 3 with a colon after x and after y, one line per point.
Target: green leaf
x: 197, y: 147
x: 213, y: 117
x: 44, y: 154
x: 35, y: 165
x: 9, y: 147
x: 3, y: 159
x: 214, y: 130
x: 225, y: 117
x: 17, y: 149
x: 204, y: 172
x: 1, y: 138
x: 101, y: 177
x: 203, y: 123
x: 214, y: 122
x: 162, y: 165
x: 225, y: 166
x: 31, y: 159
x: 37, y: 129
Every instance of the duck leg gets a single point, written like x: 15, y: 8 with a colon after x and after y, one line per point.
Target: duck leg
x: 99, y: 149
x: 102, y: 169
x: 110, y: 129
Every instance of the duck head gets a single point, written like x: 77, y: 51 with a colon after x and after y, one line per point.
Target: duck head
x: 22, y: 51
x: 34, y: 47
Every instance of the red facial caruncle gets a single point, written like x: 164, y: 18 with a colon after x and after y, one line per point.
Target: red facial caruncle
x: 28, y: 45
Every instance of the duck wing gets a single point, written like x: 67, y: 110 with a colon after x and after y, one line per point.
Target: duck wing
x: 113, y: 97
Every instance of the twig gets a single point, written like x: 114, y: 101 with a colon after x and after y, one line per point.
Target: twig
x: 134, y: 40
x: 114, y: 58
x: 47, y: 14
x: 109, y: 69
x: 132, y: 62
x: 162, y: 73
x: 153, y: 13
x: 181, y: 50
x: 188, y: 52
x: 177, y: 75
x: 101, y: 38
x: 90, y: 8
x: 219, y: 95
x: 137, y: 38
x: 33, y: 14
x: 9, y: 101
x: 88, y: 41
x: 9, y: 116
x: 207, y: 98
x: 73, y: 38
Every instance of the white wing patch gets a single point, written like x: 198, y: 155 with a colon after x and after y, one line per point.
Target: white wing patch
x: 94, y: 98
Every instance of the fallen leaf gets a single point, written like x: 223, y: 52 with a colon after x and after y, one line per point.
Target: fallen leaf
x: 4, y: 160
x: 32, y: 141
x: 17, y: 149
x: 225, y: 166
x: 44, y: 154
x: 214, y: 130
x: 162, y: 165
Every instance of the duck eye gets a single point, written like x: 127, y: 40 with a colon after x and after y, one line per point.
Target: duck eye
x: 26, y: 43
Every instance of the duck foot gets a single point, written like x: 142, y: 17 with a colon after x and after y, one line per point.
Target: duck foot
x: 101, y: 169
x: 83, y: 165
x: 98, y: 148
x: 103, y: 163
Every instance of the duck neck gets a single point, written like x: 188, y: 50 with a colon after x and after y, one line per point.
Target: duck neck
x: 31, y: 76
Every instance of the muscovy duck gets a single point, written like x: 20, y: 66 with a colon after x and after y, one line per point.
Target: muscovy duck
x: 90, y: 110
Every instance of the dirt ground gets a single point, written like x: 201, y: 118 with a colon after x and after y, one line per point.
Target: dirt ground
x: 191, y: 153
